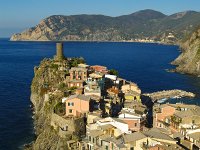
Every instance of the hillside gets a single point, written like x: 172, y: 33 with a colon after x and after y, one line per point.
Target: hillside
x: 145, y: 24
x: 189, y: 60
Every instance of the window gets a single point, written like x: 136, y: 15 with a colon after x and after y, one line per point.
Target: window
x: 131, y: 148
x: 89, y: 138
x: 106, y: 147
x: 135, y: 124
x: 70, y: 103
x: 70, y: 110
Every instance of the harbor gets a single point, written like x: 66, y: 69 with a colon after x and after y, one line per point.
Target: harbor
x: 162, y: 96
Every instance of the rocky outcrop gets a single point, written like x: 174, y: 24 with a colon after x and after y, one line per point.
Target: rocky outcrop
x: 189, y: 60
x: 47, y: 90
x: 147, y: 25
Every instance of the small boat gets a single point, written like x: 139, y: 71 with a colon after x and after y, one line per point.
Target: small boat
x: 162, y: 100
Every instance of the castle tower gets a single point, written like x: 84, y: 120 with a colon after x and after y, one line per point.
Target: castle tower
x: 59, y: 52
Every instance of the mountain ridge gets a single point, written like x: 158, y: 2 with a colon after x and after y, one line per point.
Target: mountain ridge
x: 145, y: 24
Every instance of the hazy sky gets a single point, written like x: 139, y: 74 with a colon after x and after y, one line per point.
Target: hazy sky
x: 16, y: 15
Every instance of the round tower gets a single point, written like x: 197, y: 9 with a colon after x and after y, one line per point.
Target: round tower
x: 59, y: 51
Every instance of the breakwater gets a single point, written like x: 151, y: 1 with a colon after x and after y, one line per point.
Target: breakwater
x: 168, y: 94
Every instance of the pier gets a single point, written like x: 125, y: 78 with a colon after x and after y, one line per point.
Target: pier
x: 169, y: 94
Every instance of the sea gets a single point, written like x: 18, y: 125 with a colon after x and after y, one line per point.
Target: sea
x: 142, y: 63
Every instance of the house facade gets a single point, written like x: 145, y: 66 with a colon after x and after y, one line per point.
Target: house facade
x: 77, y: 105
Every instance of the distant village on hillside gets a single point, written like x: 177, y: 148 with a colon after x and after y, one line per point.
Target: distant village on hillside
x: 111, y: 113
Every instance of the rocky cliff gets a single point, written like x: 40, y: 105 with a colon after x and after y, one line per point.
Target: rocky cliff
x: 145, y: 24
x: 47, y: 89
x: 189, y: 60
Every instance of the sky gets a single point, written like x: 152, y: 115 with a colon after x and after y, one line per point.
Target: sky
x: 17, y: 15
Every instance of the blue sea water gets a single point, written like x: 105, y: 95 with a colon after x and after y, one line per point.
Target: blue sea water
x: 142, y: 63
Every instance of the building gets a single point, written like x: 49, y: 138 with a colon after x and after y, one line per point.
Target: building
x: 130, y: 87
x: 105, y: 134
x: 159, y: 135
x: 163, y: 116
x: 186, y: 119
x: 101, y: 69
x: 78, y: 73
x: 95, y: 84
x: 131, y: 92
x: 77, y: 105
x: 135, y: 141
x: 136, y: 122
x: 194, y: 137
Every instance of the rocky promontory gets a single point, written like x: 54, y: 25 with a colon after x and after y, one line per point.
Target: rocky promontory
x: 47, y: 90
x: 189, y: 60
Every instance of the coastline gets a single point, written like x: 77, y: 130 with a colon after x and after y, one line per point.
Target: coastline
x: 87, y: 41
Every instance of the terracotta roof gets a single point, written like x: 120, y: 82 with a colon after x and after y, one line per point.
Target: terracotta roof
x: 112, y: 90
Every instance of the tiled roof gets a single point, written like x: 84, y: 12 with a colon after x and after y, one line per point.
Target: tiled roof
x: 188, y: 113
x: 154, y: 133
x: 133, y: 137
x: 195, y: 136
x: 82, y: 97
x: 105, y: 137
x: 78, y: 69
x: 107, y: 126
x: 119, y: 120
x: 95, y: 133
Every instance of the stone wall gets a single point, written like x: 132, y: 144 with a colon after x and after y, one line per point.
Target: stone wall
x: 67, y: 126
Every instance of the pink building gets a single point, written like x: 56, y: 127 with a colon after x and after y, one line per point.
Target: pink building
x: 77, y: 105
x: 164, y: 115
x: 78, y: 73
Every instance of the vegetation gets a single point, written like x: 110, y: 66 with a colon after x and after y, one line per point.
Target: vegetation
x: 59, y: 108
x: 54, y: 66
x: 61, y: 86
x: 114, y: 72
x: 142, y: 24
x: 75, y: 61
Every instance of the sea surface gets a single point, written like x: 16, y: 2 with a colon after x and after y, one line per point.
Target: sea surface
x: 141, y: 63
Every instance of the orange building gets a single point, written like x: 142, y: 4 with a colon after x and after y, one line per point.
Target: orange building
x: 77, y: 105
x: 163, y: 116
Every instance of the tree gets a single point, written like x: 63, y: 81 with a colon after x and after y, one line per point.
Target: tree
x: 114, y: 72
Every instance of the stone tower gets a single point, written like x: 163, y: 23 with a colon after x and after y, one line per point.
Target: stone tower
x: 59, y: 52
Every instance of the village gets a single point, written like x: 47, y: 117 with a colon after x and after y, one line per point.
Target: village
x: 110, y: 113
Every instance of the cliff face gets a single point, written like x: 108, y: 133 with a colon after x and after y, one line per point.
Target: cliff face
x: 47, y: 90
x: 146, y: 24
x: 189, y: 60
